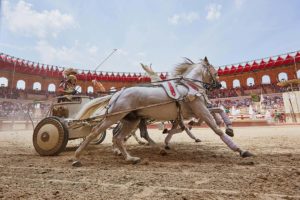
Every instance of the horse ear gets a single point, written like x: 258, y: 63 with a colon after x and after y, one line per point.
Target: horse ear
x: 205, y: 59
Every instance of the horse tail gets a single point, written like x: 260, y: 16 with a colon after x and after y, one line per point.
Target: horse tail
x: 91, y: 107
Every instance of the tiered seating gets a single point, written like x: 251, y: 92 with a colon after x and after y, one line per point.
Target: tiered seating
x: 27, y: 67
x: 255, y: 65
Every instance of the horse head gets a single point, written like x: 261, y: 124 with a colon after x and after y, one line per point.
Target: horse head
x: 211, y: 75
x: 203, y: 72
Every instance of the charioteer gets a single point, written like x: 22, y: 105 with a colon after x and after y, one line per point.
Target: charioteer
x: 68, y: 85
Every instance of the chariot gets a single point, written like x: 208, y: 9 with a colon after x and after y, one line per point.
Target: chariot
x: 51, y: 135
x: 75, y: 116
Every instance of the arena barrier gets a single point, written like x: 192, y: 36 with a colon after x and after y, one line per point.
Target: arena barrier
x: 6, y: 125
x: 236, y: 123
x: 239, y: 121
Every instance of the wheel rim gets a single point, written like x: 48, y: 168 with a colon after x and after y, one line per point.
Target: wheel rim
x: 48, y: 137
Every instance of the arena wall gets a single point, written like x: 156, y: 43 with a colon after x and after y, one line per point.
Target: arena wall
x: 290, y: 70
x: 15, y: 69
x: 45, y: 81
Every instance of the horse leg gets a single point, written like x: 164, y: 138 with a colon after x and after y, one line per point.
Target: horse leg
x: 116, y: 131
x: 216, y: 118
x: 171, y: 132
x: 136, y: 137
x: 202, y: 112
x: 149, y: 140
x: 128, y: 136
x: 191, y: 135
x: 94, y: 133
x: 116, y: 150
x: 132, y: 133
x: 170, y: 135
x: 228, y: 123
x: 118, y: 139
x: 175, y: 130
x: 187, y: 130
x: 144, y: 132
x: 167, y: 140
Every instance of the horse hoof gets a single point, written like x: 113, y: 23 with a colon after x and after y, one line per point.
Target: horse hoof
x: 167, y: 148
x: 136, y: 161
x: 163, y: 152
x: 246, y: 154
x: 117, y: 152
x: 151, y: 143
x: 76, y: 163
x: 229, y: 131
x: 133, y: 160
x: 197, y: 140
x: 142, y: 143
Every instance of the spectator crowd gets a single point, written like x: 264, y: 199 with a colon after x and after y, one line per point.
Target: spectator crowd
x: 19, y: 110
x: 238, y: 98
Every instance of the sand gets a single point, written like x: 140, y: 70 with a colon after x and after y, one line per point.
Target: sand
x: 206, y: 170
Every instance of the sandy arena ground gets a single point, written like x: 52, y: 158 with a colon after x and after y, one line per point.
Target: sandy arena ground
x: 206, y: 170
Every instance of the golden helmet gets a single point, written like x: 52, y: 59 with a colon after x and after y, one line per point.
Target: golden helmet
x: 69, y: 71
x: 72, y: 78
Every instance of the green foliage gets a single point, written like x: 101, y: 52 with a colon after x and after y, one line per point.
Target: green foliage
x: 255, y: 97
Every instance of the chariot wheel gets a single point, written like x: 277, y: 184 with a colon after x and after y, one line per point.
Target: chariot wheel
x: 50, y: 137
x: 100, y: 138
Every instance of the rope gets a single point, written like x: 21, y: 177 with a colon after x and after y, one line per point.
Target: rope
x: 138, y: 108
x: 205, y: 85
x: 123, y: 111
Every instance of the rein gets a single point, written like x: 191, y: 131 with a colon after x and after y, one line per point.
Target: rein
x: 103, y: 116
x: 204, y: 84
x: 182, y: 78
x: 73, y: 122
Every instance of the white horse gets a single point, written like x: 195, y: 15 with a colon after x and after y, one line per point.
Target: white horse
x: 130, y: 105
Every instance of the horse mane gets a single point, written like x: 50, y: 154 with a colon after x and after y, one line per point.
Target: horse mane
x: 183, y: 67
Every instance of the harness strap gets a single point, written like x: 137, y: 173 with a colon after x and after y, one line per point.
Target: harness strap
x: 172, y: 89
x: 177, y: 79
x: 109, y: 105
x: 193, y: 85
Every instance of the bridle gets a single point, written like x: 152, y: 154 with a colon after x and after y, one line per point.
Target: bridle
x: 214, y: 83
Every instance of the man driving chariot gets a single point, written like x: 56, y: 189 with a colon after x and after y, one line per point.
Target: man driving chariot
x: 68, y: 85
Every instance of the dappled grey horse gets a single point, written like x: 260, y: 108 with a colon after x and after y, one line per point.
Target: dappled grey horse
x: 177, y: 125
x: 130, y: 105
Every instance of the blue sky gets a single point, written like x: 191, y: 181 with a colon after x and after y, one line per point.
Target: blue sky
x: 81, y: 33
